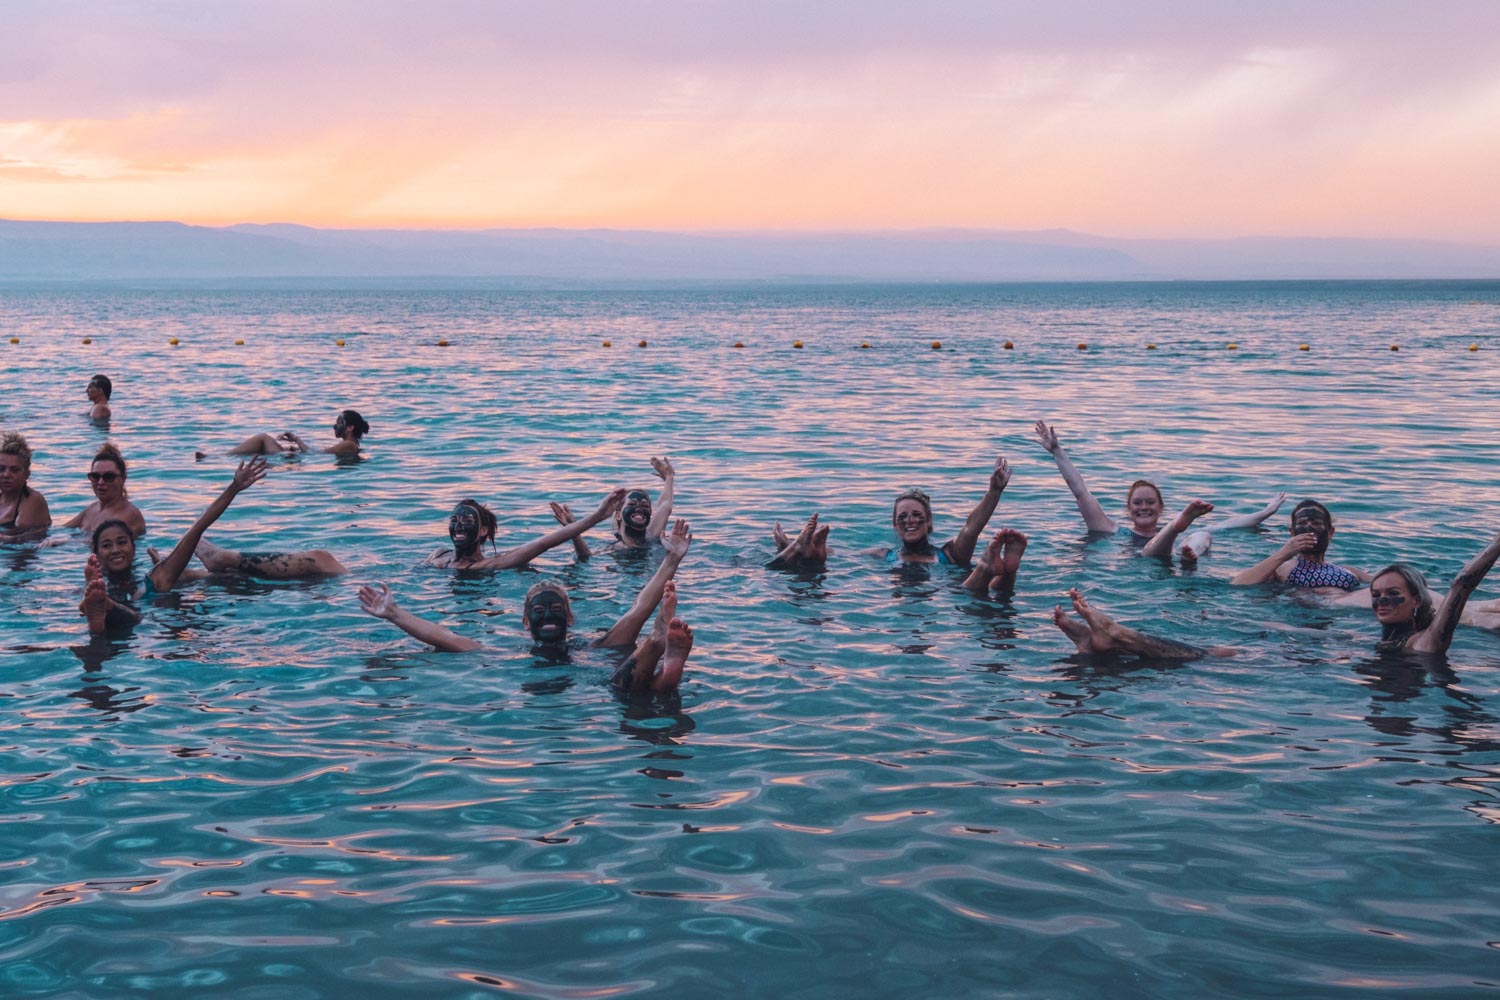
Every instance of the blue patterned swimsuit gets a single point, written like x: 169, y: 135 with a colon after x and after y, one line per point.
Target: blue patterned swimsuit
x: 1321, y: 574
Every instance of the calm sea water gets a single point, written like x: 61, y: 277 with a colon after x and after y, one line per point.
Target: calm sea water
x: 871, y: 784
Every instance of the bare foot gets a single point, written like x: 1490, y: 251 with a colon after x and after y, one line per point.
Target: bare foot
x: 155, y: 555
x: 1015, y: 547
x: 215, y: 559
x: 667, y: 609
x: 96, y: 605
x: 1100, y: 625
x: 1188, y: 555
x: 92, y: 570
x: 1075, y: 630
x: 679, y: 645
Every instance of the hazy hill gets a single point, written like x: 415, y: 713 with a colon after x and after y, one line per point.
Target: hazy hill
x: 62, y: 250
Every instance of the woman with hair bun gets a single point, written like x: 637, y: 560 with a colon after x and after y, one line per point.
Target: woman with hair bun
x: 107, y: 477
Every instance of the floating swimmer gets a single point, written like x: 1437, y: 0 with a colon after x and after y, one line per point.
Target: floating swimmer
x: 657, y: 662
x: 472, y: 524
x: 349, y: 427
x: 99, y: 390
x: 1094, y: 632
x: 112, y: 591
x: 1144, y: 508
x: 107, y: 476
x: 23, y: 511
x: 1301, y: 560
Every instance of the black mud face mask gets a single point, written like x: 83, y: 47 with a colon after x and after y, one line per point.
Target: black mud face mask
x: 635, y: 515
x: 463, y: 529
x: 1316, y: 526
x: 547, y: 617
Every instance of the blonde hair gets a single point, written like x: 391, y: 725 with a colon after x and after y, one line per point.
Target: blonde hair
x: 554, y: 586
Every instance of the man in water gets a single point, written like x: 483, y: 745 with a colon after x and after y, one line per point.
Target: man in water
x: 99, y: 390
x: 1301, y: 561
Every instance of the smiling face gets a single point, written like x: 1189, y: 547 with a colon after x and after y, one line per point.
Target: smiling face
x: 115, y: 548
x: 1144, y: 505
x: 1392, y: 600
x: 911, y: 521
x: 14, y: 471
x: 548, y: 617
x: 463, y: 529
x: 108, y: 481
x: 635, y: 513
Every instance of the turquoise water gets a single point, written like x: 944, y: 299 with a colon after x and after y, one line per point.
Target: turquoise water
x: 870, y: 783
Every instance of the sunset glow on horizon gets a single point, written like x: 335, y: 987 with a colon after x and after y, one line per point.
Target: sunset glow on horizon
x: 1157, y: 120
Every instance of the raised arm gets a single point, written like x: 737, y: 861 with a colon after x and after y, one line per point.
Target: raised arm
x: 961, y: 548
x: 1161, y: 543
x: 625, y: 631
x: 1093, y: 514
x: 564, y: 515
x: 382, y: 604
x: 164, y: 575
x: 1267, y: 568
x: 1251, y: 520
x: 522, y: 554
x: 1436, y: 637
x: 661, y: 514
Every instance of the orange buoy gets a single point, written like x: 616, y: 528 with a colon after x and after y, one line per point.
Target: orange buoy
x: 797, y: 344
x: 1473, y: 347
x: 641, y: 344
x: 88, y: 340
x: 1008, y: 346
x: 1083, y: 347
x: 1303, y: 347
x: 1150, y: 347
x: 1395, y: 347
x: 1233, y: 347
x: 15, y: 340
x: 864, y: 345
x: 441, y: 343
x: 606, y: 343
x: 937, y: 345
x: 339, y: 343
x: 239, y: 343
x: 173, y: 341
x: 738, y: 345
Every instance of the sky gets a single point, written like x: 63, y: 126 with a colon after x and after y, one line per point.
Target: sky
x: 1141, y: 119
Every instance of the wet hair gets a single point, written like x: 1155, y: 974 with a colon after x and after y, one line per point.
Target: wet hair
x: 109, y: 453
x: 487, y: 523
x: 1417, y: 584
x: 1137, y: 485
x: 12, y: 443
x: 913, y: 494
x: 114, y: 523
x: 543, y: 586
x: 355, y: 424
x: 1312, y: 505
x: 104, y: 384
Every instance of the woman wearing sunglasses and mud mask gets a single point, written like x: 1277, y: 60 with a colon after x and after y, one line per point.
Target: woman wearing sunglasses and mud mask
x: 107, y: 477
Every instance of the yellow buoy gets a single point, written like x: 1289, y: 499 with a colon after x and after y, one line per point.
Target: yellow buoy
x: 1083, y: 347
x: 738, y: 345
x: 173, y: 341
x: 797, y: 344
x: 1303, y: 347
x: 864, y: 345
x: 340, y: 343
x: 1150, y: 347
x: 606, y: 344
x: 239, y: 343
x: 88, y: 340
x: 937, y: 345
x: 1473, y: 347
x: 1233, y: 347
x: 442, y: 343
x: 1008, y: 346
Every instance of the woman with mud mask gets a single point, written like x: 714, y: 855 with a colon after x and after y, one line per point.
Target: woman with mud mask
x: 472, y: 524
x: 111, y: 588
x: 1301, y: 561
x: 1404, y: 607
x: 638, y: 524
x: 656, y: 662
x: 1144, y: 508
x: 349, y: 427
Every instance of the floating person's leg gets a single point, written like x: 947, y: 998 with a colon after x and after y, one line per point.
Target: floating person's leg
x: 270, y: 565
x: 1196, y: 546
x: 1078, y: 631
x: 1106, y: 633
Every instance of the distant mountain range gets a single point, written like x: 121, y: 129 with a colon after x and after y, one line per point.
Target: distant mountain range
x: 172, y: 250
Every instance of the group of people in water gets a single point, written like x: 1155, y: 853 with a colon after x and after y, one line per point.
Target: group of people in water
x: 1411, y: 617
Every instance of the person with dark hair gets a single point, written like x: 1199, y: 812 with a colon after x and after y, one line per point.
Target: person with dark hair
x: 472, y: 524
x: 1301, y: 560
x: 1144, y: 508
x: 349, y: 427
x: 911, y: 520
x: 655, y: 664
x: 99, y: 390
x: 23, y: 511
x: 1409, y: 621
x: 638, y: 523
x: 112, y: 503
x: 112, y: 591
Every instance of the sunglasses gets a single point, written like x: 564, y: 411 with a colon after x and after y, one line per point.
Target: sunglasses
x: 1387, y: 600
x: 103, y: 477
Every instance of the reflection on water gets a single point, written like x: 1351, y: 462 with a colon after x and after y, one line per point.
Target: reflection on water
x: 872, y: 781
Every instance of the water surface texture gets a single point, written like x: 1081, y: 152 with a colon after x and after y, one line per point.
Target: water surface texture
x: 871, y: 783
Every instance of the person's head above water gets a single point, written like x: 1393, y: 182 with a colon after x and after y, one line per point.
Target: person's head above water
x: 633, y: 516
x: 1400, y: 600
x: 107, y: 474
x: 547, y: 612
x: 469, y: 526
x: 114, y: 544
x: 1143, y: 502
x: 102, y: 385
x: 15, y: 461
x: 1311, y: 517
x: 911, y: 517
x: 350, y: 425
